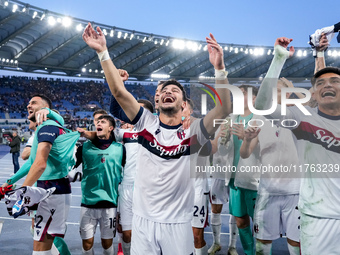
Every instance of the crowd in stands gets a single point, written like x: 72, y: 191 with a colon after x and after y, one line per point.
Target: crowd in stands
x: 75, y: 100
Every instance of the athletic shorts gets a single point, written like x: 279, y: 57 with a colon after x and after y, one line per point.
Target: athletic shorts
x: 51, y: 216
x: 275, y: 216
x: 242, y: 201
x: 319, y: 235
x: 219, y: 193
x: 201, y: 204
x: 125, y: 206
x: 153, y: 238
x: 89, y: 219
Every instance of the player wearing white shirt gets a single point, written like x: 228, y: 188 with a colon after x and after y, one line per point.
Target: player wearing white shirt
x: 219, y: 192
x: 163, y: 195
x: 129, y: 137
x: 276, y: 210
x: 318, y: 140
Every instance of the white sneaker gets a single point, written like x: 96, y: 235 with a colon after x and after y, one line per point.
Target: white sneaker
x: 232, y: 251
x: 214, y: 248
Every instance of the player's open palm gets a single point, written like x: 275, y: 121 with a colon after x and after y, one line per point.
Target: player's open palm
x: 94, y: 39
x: 215, y: 53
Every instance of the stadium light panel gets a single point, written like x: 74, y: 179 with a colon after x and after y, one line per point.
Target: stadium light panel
x: 160, y: 76
x: 156, y: 42
x: 162, y: 41
x: 131, y: 36
x: 7, y: 60
x: 304, y: 53
x: 335, y: 53
x: 104, y: 32
x: 67, y: 21
x: 11, y: 61
x: 205, y: 48
x: 246, y: 51
x: 144, y: 39
x: 329, y: 53
x: 15, y: 7
x: 59, y: 20
x: 24, y: 9
x: 111, y: 33
x: 43, y: 16
x: 269, y: 52
x: 79, y: 27
x: 251, y: 51
x: 236, y: 50
x: 83, y: 69
x: 167, y: 43
x: 90, y: 70
x: 178, y: 44
x: 35, y: 14
x: 16, y: 62
x: 261, y: 51
x: 119, y: 34
x: 241, y: 49
x: 51, y: 20
x: 6, y: 3
x: 126, y: 35
x: 96, y: 71
x: 299, y: 53
x: 3, y: 60
x: 231, y: 49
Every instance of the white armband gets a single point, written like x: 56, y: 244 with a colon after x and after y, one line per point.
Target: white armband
x: 103, y: 56
x: 320, y: 54
x: 221, y: 74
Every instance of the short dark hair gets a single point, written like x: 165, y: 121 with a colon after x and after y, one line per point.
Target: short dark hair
x: 328, y: 69
x: 253, y: 88
x: 191, y: 103
x: 176, y: 83
x: 44, y: 98
x: 99, y: 111
x: 109, y: 118
x: 147, y: 104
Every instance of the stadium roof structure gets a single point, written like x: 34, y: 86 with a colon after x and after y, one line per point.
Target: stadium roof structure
x: 37, y: 40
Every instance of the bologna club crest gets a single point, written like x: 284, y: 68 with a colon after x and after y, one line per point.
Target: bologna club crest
x: 181, y: 134
x: 102, y: 159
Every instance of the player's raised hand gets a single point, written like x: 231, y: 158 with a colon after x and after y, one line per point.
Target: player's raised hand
x: 284, y: 42
x: 251, y: 132
x: 323, y: 43
x: 94, y: 39
x: 124, y: 75
x: 41, y: 116
x: 215, y: 53
x: 238, y: 130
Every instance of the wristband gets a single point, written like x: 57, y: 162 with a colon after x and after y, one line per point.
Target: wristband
x: 320, y: 54
x: 103, y: 56
x: 221, y: 74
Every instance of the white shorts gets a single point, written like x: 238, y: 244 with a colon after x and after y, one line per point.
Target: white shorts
x: 201, y: 204
x: 125, y: 206
x: 51, y: 216
x: 89, y: 219
x: 319, y: 235
x: 155, y: 238
x: 275, y: 216
x: 219, y: 193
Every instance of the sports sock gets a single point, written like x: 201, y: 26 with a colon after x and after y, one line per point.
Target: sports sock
x: 42, y: 252
x: 233, y: 230
x: 247, y: 240
x: 109, y: 251
x: 89, y: 252
x: 126, y: 248
x: 263, y: 249
x: 293, y: 250
x: 216, y: 227
x: 200, y: 251
x: 61, y: 246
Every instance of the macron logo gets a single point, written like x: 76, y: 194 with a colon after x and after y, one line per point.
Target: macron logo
x: 45, y: 133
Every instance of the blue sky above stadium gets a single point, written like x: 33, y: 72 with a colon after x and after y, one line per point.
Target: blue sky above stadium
x: 250, y: 22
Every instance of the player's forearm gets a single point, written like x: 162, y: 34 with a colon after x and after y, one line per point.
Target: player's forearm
x: 22, y: 172
x: 265, y: 94
x: 34, y: 173
x: 55, y: 116
x: 245, y: 150
x: 220, y: 111
x: 125, y: 99
x: 319, y: 61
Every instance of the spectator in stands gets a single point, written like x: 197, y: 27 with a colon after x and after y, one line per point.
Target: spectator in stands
x: 15, y: 150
